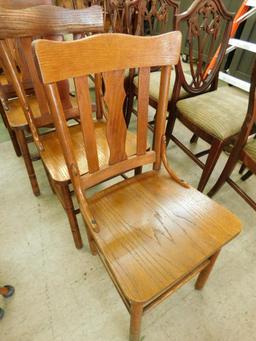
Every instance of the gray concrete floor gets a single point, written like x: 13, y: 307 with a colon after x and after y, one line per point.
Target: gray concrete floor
x: 63, y: 294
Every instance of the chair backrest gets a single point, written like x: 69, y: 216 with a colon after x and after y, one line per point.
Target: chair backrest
x: 21, y: 4
x: 157, y: 16
x: 7, y: 89
x: 109, y: 54
x: 206, y: 26
x: 43, y: 21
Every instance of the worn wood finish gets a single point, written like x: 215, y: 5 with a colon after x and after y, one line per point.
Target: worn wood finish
x: 238, y: 152
x: 53, y: 21
x: 152, y: 231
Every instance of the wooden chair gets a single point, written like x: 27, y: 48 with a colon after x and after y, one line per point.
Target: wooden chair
x: 34, y: 110
x: 152, y: 231
x: 208, y: 25
x: 243, y: 150
x: 209, y: 116
x: 6, y: 88
x: 153, y: 18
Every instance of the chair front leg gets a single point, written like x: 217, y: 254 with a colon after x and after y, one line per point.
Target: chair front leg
x: 205, y: 273
x: 212, y: 159
x: 28, y: 162
x: 135, y: 322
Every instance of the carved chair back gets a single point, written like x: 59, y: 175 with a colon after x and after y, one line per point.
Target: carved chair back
x: 157, y: 16
x: 43, y: 21
x: 207, y: 25
x: 109, y: 54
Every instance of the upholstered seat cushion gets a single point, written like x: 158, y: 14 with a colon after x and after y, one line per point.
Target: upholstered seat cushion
x: 220, y: 113
x: 250, y: 148
x: 154, y: 85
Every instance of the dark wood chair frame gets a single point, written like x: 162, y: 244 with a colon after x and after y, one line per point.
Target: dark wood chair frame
x: 62, y: 21
x: 212, y: 14
x: 238, y: 153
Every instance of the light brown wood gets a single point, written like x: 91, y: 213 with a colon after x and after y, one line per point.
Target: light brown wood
x: 168, y: 227
x: 143, y: 102
x: 84, y: 103
x: 116, y: 127
x: 204, y: 274
x: 89, y: 60
x: 135, y: 324
x: 21, y: 4
x: 50, y: 20
x: 53, y: 157
x: 23, y: 25
x: 152, y: 231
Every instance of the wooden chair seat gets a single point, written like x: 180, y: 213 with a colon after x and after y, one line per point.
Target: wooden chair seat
x: 155, y: 84
x: 15, y: 114
x: 143, y: 240
x: 53, y: 158
x: 218, y: 113
x: 250, y: 149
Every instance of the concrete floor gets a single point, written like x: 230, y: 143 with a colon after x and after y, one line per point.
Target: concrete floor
x: 63, y: 294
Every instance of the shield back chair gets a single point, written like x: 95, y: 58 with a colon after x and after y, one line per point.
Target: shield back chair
x: 153, y: 18
x: 6, y: 88
x: 207, y: 26
x: 153, y: 232
x: 244, y: 149
x: 32, y: 22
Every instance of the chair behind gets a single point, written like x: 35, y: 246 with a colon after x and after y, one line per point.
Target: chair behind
x: 239, y: 152
x: 48, y: 22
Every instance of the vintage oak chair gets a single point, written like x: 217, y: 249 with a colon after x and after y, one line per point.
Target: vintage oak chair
x: 208, y: 25
x: 243, y: 150
x: 34, y: 109
x: 152, y: 231
x: 6, y: 88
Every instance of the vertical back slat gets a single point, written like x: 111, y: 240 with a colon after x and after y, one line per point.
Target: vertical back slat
x: 161, y: 113
x: 116, y: 128
x: 87, y: 124
x: 143, y: 102
x: 26, y: 50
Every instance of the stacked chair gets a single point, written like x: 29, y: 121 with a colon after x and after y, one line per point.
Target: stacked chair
x: 33, y: 111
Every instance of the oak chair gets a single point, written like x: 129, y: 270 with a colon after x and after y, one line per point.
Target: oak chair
x: 244, y: 149
x: 153, y: 232
x: 6, y: 88
x: 33, y: 111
